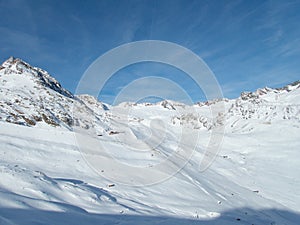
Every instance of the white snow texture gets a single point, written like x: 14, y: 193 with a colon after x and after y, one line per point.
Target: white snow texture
x: 47, y: 178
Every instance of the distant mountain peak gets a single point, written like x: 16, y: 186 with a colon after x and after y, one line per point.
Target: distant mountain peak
x: 247, y: 95
x: 17, y: 66
x: 31, y: 96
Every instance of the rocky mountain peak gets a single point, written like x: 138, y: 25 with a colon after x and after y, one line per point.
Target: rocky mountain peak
x: 30, y: 96
x: 17, y: 66
x: 254, y: 96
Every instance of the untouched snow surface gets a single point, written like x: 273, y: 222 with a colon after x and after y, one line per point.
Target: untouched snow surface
x: 46, y: 175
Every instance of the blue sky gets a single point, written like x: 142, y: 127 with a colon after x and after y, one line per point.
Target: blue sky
x: 247, y: 44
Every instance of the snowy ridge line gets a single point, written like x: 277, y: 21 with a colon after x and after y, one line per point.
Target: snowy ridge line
x: 47, y: 176
x: 31, y: 97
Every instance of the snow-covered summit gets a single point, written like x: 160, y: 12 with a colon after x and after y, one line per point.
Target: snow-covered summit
x: 264, y: 92
x: 42, y: 77
x: 93, y: 103
x: 268, y: 104
x: 30, y: 96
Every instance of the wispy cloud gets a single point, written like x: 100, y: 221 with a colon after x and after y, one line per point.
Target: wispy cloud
x: 273, y: 77
x: 244, y: 43
x: 290, y: 48
x: 19, y: 39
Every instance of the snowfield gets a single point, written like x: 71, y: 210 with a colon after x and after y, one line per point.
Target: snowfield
x: 113, y: 164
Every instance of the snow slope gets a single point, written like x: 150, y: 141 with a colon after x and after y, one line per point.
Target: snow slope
x: 46, y: 174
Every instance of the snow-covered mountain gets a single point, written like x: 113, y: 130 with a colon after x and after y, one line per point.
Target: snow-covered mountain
x: 51, y: 138
x: 30, y: 96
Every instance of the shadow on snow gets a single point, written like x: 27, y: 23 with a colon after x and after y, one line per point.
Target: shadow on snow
x: 239, y: 216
